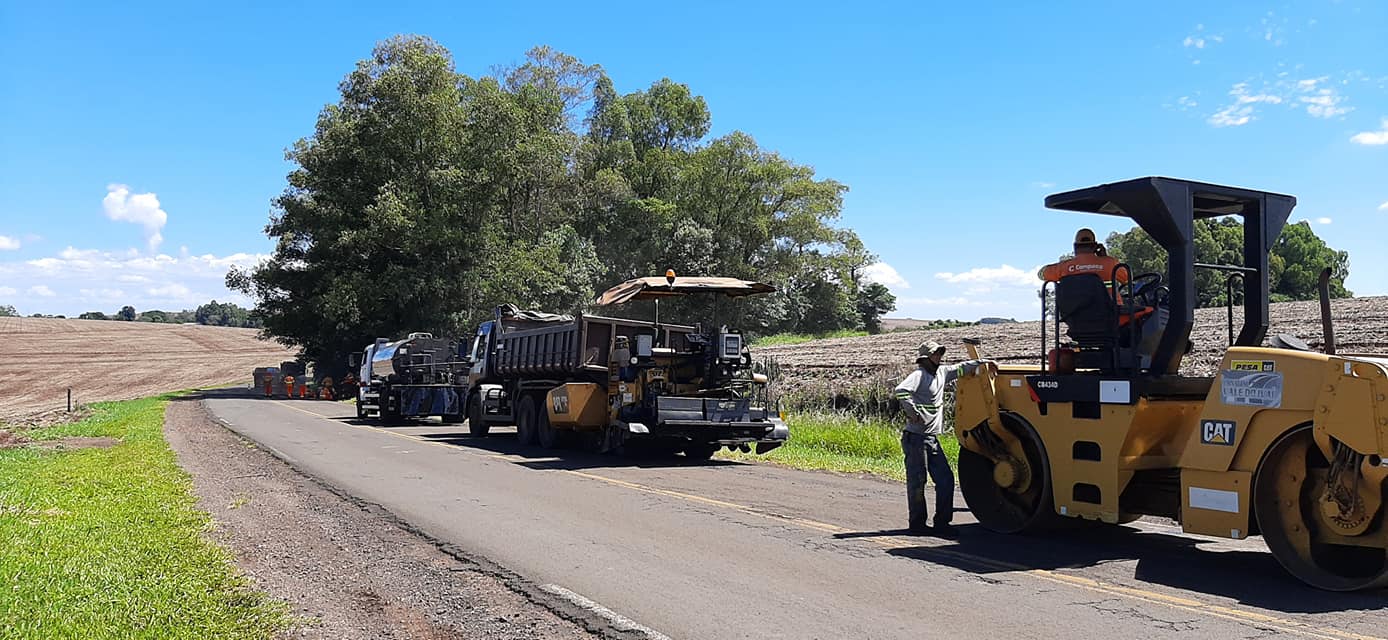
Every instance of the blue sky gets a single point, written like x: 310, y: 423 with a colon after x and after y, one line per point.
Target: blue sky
x: 949, y: 122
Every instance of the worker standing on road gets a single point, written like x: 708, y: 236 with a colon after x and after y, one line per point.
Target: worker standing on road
x: 921, y: 396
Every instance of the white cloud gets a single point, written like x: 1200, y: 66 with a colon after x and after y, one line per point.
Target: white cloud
x: 1043, y: 184
x: 172, y: 291
x: 104, y: 280
x: 1373, y: 138
x: 8, y: 291
x: 42, y: 291
x: 984, y: 279
x: 139, y: 208
x: 1311, y: 94
x: 1193, y: 41
x: 8, y: 244
x: 957, y: 301
x: 1323, y: 221
x: 103, y: 294
x: 1383, y: 207
x: 884, y: 274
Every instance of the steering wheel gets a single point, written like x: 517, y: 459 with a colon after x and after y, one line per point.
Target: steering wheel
x: 1142, y: 287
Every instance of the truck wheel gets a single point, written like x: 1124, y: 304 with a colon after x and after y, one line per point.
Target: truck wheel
x: 548, y: 435
x: 700, y: 451
x: 526, y: 429
x: 476, y: 426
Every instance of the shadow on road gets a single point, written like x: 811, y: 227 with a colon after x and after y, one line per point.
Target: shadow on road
x: 1252, y: 577
x: 634, y: 455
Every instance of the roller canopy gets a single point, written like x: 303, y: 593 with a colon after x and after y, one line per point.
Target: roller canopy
x: 1167, y: 208
x: 655, y: 287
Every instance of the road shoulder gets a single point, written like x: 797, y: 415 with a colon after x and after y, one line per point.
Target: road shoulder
x: 347, y: 570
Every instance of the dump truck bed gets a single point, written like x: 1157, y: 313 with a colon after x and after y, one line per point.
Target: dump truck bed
x: 566, y: 348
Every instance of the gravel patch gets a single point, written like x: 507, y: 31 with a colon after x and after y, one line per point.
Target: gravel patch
x: 350, y: 571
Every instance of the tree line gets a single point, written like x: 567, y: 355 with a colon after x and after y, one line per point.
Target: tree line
x: 220, y: 314
x: 1294, y: 264
x: 426, y: 197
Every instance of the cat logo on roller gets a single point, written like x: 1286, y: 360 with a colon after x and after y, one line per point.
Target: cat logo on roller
x: 1217, y: 432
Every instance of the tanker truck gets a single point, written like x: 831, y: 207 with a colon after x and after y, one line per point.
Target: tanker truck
x: 602, y: 381
x: 417, y: 377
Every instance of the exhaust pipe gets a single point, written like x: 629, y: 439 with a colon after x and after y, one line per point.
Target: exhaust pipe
x: 1327, y: 328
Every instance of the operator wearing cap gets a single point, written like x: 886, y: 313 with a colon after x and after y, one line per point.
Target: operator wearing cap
x: 921, y: 396
x: 1090, y: 257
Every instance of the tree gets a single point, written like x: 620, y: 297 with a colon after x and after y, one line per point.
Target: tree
x: 378, y: 230
x: 126, y: 313
x: 425, y: 198
x: 92, y: 315
x: 8, y: 311
x: 1295, y: 260
x: 874, y: 300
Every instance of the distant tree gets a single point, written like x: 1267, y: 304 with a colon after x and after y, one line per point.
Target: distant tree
x: 8, y: 311
x: 126, y: 313
x: 153, y: 315
x: 93, y: 315
x: 874, y: 300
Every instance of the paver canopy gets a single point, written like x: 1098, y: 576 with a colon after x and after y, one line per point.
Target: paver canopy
x: 654, y: 287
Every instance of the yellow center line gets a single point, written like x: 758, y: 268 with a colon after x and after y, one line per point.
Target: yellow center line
x: 896, y: 542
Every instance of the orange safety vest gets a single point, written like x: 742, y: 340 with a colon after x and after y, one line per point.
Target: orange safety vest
x: 1101, y: 266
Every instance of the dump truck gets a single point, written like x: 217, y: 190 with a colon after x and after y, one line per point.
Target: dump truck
x: 1282, y: 442
x: 601, y: 381
x: 415, y: 377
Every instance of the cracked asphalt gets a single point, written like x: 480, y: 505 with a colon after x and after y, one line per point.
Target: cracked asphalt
x: 733, y: 550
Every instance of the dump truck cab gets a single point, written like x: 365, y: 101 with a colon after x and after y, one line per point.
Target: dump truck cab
x: 1282, y: 442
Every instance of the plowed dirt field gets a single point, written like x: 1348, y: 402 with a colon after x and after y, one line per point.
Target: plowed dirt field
x: 109, y: 360
x: 1361, y: 326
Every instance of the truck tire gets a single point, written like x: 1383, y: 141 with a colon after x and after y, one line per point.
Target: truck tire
x: 477, y: 427
x: 526, y: 428
x: 549, y: 436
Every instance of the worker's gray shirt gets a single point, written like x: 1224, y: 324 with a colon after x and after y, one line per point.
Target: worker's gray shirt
x: 922, y: 398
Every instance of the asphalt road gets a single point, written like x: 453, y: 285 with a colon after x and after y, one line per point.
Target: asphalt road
x: 728, y: 550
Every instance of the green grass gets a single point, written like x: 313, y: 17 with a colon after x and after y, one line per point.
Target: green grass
x: 107, y: 543
x: 841, y: 442
x: 781, y: 339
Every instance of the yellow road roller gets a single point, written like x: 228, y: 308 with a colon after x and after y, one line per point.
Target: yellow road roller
x: 1282, y: 441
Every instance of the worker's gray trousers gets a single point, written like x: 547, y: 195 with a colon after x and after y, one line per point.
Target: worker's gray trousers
x: 924, y: 456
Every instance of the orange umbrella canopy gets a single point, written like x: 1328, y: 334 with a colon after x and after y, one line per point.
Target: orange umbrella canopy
x: 660, y: 287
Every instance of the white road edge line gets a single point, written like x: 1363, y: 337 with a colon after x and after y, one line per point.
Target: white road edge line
x: 618, y: 621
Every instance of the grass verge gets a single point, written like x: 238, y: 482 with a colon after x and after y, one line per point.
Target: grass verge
x: 830, y: 441
x: 780, y: 339
x: 108, y: 543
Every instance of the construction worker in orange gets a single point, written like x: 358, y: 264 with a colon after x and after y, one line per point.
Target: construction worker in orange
x: 288, y: 386
x: 1090, y: 257
x: 325, y: 388
x: 269, y: 385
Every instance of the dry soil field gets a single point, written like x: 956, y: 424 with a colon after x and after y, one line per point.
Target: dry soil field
x: 1361, y: 326
x: 109, y: 360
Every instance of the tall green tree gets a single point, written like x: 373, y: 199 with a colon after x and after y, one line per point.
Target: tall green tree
x: 426, y: 197
x: 378, y: 229
x: 1295, y: 260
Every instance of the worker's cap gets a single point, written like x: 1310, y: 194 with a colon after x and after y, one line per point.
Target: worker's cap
x: 928, y: 348
x: 1084, y: 236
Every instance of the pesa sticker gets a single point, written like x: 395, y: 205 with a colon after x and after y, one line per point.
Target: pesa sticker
x: 1266, y: 366
x: 1217, y: 432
